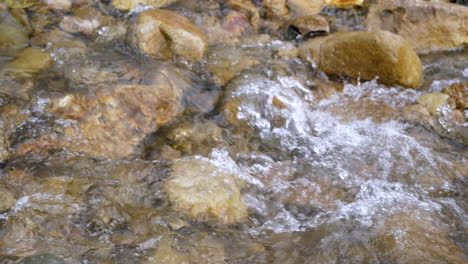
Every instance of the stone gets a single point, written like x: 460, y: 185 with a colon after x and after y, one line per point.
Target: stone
x: 126, y: 5
x: 7, y: 199
x: 305, y: 7
x: 366, y: 55
x: 13, y: 36
x: 161, y: 33
x: 43, y: 259
x: 85, y: 20
x: 434, y: 101
x: 459, y: 94
x: 22, y: 3
x: 425, y: 25
x: 204, y: 191
x: 30, y: 61
x: 344, y: 3
x: 307, y: 24
x: 277, y: 7
x: 59, y: 4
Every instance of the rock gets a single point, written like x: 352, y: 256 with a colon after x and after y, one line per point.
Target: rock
x: 162, y: 33
x: 224, y: 62
x: 126, y: 5
x: 276, y: 7
x: 30, y: 61
x: 205, y: 191
x: 59, y: 4
x: 425, y: 25
x: 305, y: 7
x: 100, y: 130
x: 13, y: 36
x: 115, y: 31
x: 85, y: 20
x: 42, y: 259
x: 459, y: 94
x: 308, y: 24
x: 344, y: 3
x: 247, y: 6
x: 22, y: 3
x: 434, y: 101
x: 7, y: 199
x: 366, y: 55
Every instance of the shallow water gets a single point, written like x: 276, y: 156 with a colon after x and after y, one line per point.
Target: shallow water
x: 342, y: 178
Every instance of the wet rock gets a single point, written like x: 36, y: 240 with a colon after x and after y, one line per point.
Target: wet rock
x: 30, y: 61
x: 311, y: 24
x: 366, y: 55
x: 115, y: 31
x: 425, y: 25
x: 434, y: 101
x: 305, y: 7
x: 43, y: 259
x: 459, y: 94
x: 224, y: 62
x: 7, y: 199
x: 344, y: 3
x: 22, y: 3
x: 205, y: 191
x: 59, y: 4
x: 162, y: 33
x: 85, y: 20
x: 13, y: 36
x: 414, y: 237
x: 126, y: 5
x: 277, y: 7
x: 248, y: 7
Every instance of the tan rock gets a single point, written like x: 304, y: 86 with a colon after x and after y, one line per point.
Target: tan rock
x: 305, y: 7
x: 204, y: 191
x: 7, y: 199
x: 30, y: 61
x: 277, y: 7
x: 344, y: 3
x: 434, y: 101
x: 59, y: 4
x: 459, y: 94
x: 130, y: 4
x: 85, y: 20
x: 22, y: 3
x: 161, y: 33
x: 13, y: 36
x: 366, y: 55
x: 425, y: 25
x: 306, y: 24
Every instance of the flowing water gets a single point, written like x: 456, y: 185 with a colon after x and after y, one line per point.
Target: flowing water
x: 341, y: 177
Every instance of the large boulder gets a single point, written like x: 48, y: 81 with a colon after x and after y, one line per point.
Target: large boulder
x: 162, y: 33
x: 425, y: 25
x: 366, y: 55
x: 205, y: 191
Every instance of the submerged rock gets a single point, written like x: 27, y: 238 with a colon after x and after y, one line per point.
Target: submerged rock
x: 85, y: 20
x: 366, y: 55
x: 162, y: 33
x: 434, y: 101
x: 13, y: 36
x: 425, y: 25
x: 311, y: 24
x: 7, y: 199
x: 305, y: 7
x: 205, y: 191
x: 30, y: 61
x: 344, y: 3
x: 459, y: 94
x: 130, y: 4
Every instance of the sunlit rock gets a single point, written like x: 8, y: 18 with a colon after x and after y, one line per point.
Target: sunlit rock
x: 311, y: 24
x: 434, y: 101
x: 126, y: 5
x: 30, y: 61
x: 248, y: 7
x: 7, y: 199
x: 366, y: 55
x: 277, y: 7
x: 85, y: 20
x: 13, y: 36
x: 305, y: 7
x: 59, y: 4
x: 205, y: 191
x: 162, y: 33
x: 459, y: 94
x: 425, y: 25
x: 344, y: 3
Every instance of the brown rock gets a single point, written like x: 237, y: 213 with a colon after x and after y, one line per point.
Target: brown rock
x: 459, y: 94
x: 344, y: 3
x: 425, y: 25
x: 366, y: 55
x: 305, y: 7
x: 306, y: 24
x: 434, y: 101
x: 130, y: 4
x: 277, y: 7
x: 30, y: 61
x: 13, y: 36
x: 85, y: 20
x: 161, y: 33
